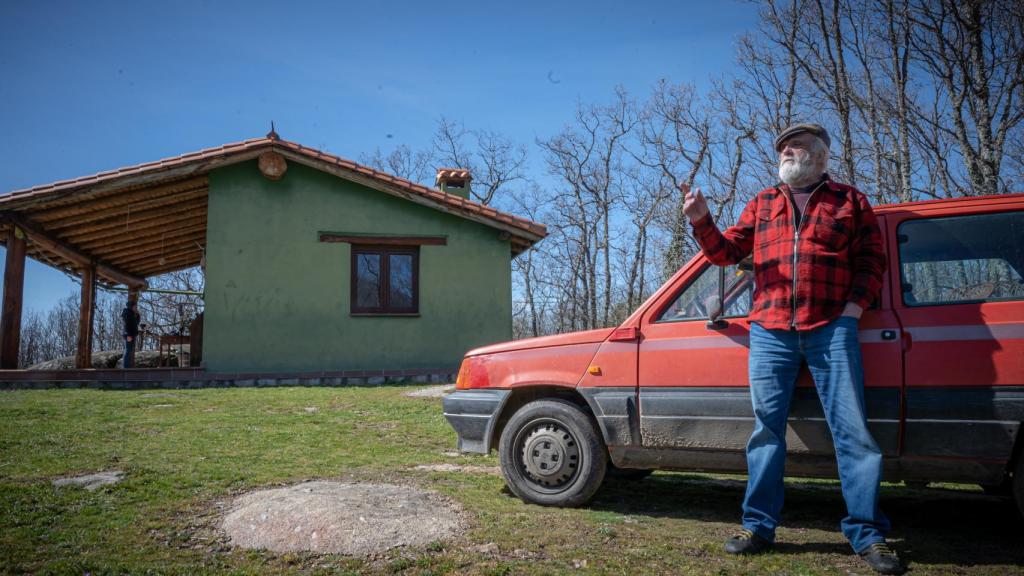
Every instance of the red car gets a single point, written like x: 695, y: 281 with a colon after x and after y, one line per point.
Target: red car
x: 944, y: 372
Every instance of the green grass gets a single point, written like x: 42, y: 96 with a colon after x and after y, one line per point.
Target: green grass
x: 186, y: 453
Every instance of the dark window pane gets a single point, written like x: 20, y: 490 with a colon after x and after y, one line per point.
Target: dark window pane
x: 401, y: 277
x: 962, y: 259
x: 368, y: 280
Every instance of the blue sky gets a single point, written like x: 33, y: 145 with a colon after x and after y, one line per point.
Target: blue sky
x: 91, y: 86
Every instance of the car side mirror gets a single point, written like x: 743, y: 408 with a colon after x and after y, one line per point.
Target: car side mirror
x: 714, y: 307
x: 713, y: 304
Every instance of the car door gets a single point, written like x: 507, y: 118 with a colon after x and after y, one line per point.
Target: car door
x: 960, y: 272
x: 692, y: 374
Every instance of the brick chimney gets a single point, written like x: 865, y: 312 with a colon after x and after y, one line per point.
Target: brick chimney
x: 454, y: 181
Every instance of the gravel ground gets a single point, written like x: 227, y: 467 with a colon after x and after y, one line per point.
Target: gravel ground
x: 432, y: 392
x: 460, y: 468
x: 341, y: 518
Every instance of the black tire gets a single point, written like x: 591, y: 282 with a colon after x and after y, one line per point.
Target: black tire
x: 552, y: 454
x: 629, y: 474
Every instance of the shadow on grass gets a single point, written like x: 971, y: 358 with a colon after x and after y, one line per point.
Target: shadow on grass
x: 931, y: 526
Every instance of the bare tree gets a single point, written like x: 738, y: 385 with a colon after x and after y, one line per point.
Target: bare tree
x: 494, y: 160
x: 675, y: 142
x: 973, y: 51
x: 402, y: 162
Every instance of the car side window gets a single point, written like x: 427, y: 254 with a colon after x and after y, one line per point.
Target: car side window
x: 960, y: 259
x: 701, y: 294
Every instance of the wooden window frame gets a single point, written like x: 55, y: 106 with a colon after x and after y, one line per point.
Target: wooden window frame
x: 385, y: 308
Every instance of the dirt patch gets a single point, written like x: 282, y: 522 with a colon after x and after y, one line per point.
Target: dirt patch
x: 91, y: 481
x: 432, y: 392
x: 460, y: 468
x: 341, y: 518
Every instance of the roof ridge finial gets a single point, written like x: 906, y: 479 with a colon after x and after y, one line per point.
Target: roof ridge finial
x: 272, y: 134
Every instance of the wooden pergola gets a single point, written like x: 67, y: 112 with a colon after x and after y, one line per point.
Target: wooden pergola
x: 124, y: 226
x: 108, y: 234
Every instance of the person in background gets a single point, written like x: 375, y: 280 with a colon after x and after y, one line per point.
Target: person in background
x: 131, y: 318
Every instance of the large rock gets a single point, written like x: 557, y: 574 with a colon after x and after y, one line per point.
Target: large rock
x: 109, y: 359
x: 151, y: 359
x: 341, y: 518
x: 104, y: 359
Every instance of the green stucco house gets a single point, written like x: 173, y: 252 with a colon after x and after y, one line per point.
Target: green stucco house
x: 313, y: 263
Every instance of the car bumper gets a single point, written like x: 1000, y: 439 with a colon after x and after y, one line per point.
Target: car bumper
x: 474, y: 414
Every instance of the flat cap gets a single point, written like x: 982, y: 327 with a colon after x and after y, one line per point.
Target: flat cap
x: 795, y: 129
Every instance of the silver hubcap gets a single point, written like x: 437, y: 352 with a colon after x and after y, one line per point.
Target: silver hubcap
x: 550, y: 455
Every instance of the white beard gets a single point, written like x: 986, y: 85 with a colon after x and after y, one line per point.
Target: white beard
x: 802, y: 171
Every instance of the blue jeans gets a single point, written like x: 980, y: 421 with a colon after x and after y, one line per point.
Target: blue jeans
x: 833, y: 355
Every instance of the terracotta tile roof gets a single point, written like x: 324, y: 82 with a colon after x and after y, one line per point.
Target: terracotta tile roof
x: 148, y: 167
x: 245, y: 150
x: 458, y: 173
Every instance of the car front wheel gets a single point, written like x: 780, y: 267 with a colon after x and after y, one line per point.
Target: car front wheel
x: 552, y: 454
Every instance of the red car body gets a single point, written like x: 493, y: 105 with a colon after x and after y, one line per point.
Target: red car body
x: 943, y: 353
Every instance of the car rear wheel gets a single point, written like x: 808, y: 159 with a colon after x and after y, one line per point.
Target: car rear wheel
x: 552, y: 454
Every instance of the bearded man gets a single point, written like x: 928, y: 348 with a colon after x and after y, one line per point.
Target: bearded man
x: 818, y: 263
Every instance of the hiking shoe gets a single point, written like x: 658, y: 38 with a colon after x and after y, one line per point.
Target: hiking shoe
x: 746, y: 542
x: 882, y: 559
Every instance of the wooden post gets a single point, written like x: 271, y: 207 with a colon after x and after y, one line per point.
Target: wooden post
x: 14, y: 284
x: 85, y: 312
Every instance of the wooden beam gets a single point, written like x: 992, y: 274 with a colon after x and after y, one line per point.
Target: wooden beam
x: 135, y: 220
x: 118, y: 276
x: 131, y: 237
x: 118, y: 198
x: 82, y: 261
x: 14, y: 288
x: 153, y: 244
x: 50, y: 259
x: 180, y: 249
x: 83, y: 358
x: 171, y: 266
x: 384, y: 240
x: 121, y: 210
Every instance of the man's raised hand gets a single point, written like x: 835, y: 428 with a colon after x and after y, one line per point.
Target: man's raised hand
x: 694, y: 205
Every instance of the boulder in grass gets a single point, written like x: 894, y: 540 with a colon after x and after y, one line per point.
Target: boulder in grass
x: 341, y: 518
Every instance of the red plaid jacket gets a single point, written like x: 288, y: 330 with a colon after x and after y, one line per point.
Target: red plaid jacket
x: 803, y: 279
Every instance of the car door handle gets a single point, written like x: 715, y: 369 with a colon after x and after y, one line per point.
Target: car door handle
x: 888, y: 334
